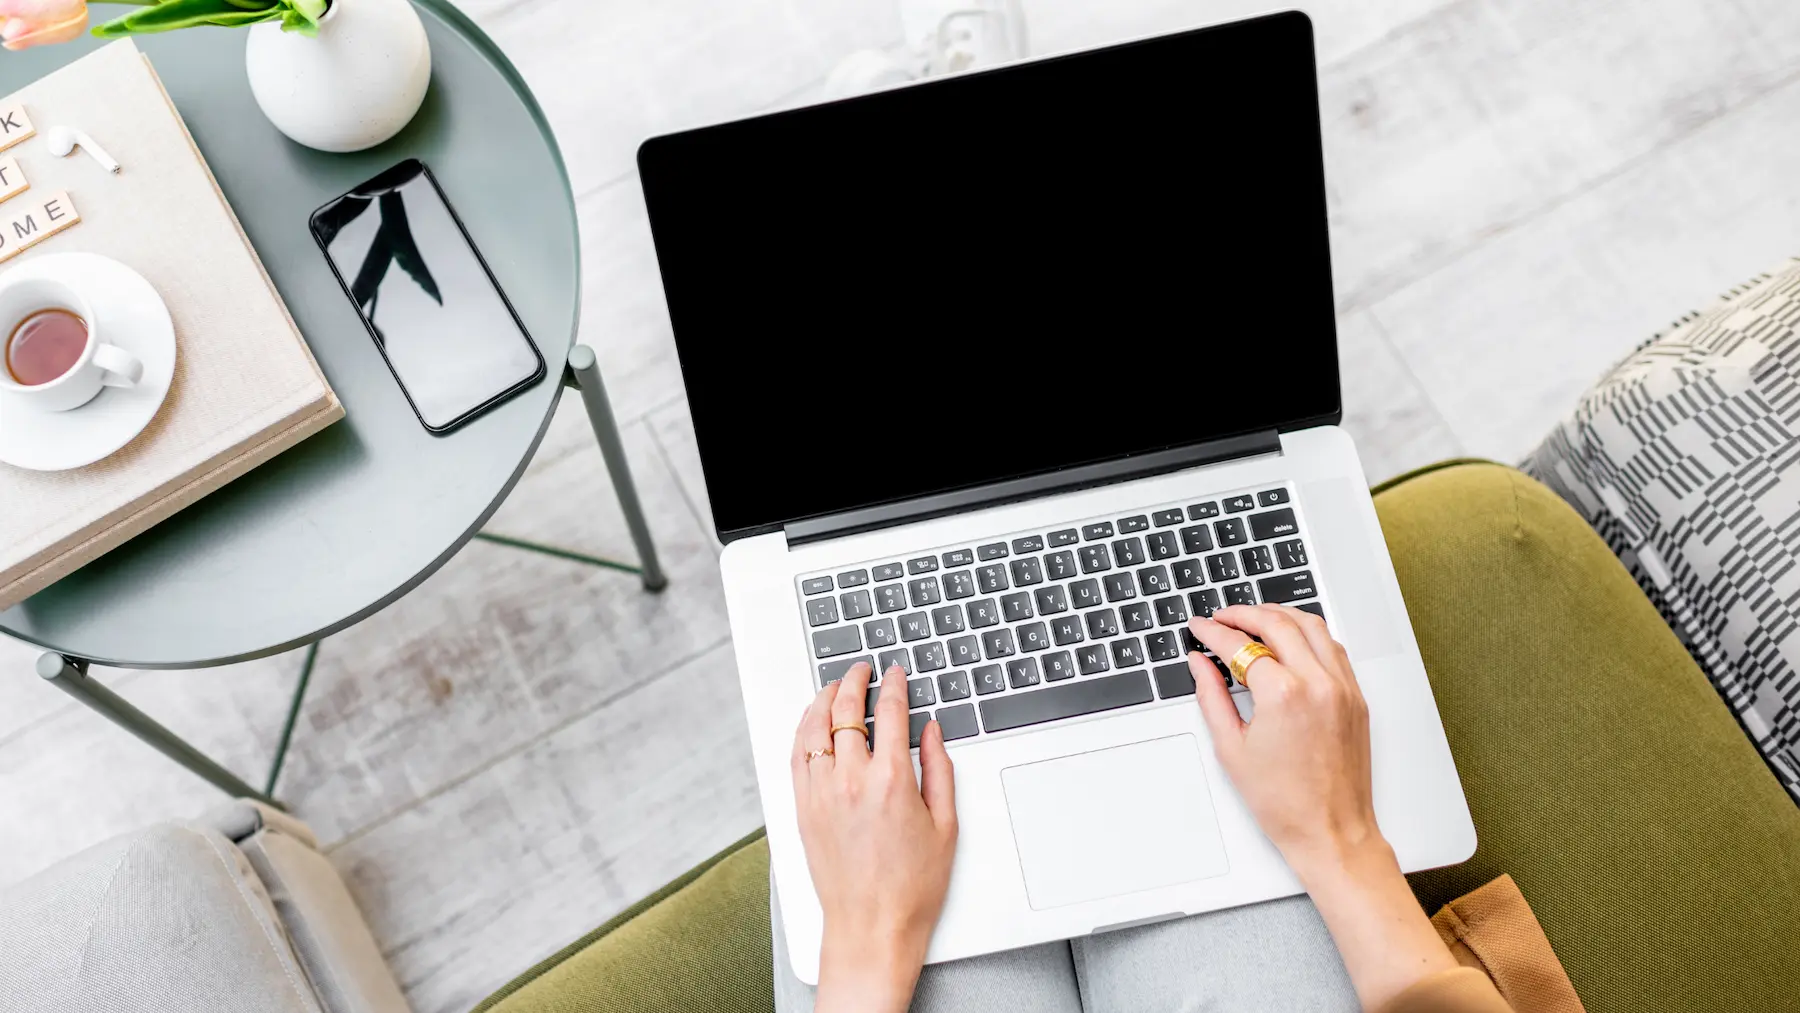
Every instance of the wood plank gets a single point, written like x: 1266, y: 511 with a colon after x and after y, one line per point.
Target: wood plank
x: 502, y: 645
x: 470, y: 888
x: 1507, y: 338
x: 1387, y: 413
x: 73, y: 779
x: 1484, y: 113
x: 674, y: 429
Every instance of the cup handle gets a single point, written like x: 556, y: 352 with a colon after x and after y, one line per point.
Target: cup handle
x: 119, y: 368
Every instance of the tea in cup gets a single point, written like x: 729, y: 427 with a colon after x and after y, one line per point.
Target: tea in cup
x: 51, y: 355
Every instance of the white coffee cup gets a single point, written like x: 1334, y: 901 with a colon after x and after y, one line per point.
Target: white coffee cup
x: 100, y: 364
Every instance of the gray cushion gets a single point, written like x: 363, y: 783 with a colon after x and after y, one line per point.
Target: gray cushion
x: 167, y: 920
x: 1686, y: 459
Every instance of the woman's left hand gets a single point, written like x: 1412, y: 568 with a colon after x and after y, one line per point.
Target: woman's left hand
x: 878, y: 842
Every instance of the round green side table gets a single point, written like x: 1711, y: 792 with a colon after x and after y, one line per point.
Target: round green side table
x: 352, y: 519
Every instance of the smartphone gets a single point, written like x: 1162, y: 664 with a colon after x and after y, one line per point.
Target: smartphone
x: 448, y: 333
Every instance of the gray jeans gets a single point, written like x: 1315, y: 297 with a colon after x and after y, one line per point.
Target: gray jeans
x: 1272, y: 956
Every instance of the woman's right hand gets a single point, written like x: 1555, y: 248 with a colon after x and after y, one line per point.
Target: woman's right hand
x: 1303, y: 764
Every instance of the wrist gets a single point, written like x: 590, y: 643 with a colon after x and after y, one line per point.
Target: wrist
x: 1353, y: 854
x: 875, y: 970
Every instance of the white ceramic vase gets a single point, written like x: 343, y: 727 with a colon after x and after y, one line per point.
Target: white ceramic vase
x: 352, y: 86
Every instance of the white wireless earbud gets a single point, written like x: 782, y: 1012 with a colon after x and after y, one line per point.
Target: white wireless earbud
x: 64, y: 141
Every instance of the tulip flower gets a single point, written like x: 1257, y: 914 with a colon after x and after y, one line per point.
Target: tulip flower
x: 37, y: 22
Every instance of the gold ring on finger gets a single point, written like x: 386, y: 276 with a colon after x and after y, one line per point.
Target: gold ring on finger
x: 1245, y: 657
x: 813, y: 754
x: 857, y: 728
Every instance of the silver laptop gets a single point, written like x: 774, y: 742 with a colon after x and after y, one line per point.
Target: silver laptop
x: 999, y: 379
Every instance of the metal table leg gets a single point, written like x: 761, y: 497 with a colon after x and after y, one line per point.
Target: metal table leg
x: 584, y: 375
x: 70, y: 676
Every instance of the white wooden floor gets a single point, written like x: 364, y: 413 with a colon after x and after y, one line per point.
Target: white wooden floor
x: 1520, y: 191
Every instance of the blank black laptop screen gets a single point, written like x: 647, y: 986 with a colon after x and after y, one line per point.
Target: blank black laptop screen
x: 1051, y: 264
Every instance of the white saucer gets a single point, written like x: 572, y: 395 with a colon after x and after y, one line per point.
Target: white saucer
x: 131, y: 315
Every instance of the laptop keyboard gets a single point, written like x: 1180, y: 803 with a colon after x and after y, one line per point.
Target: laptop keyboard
x: 1041, y: 626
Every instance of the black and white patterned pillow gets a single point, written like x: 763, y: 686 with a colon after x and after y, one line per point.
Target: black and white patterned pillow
x: 1685, y: 459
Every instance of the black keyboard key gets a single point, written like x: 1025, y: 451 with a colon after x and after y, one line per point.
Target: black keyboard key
x: 890, y: 571
x: 1290, y: 554
x: 1137, y: 617
x: 821, y: 612
x: 924, y: 564
x: 1066, y: 630
x: 1033, y: 637
x: 1274, y: 524
x: 1167, y: 518
x: 1196, y: 539
x: 890, y: 599
x: 1173, y: 680
x: 1163, y: 645
x: 1022, y: 673
x: 1204, y: 602
x: 1201, y: 511
x: 1030, y: 543
x: 1127, y: 653
x: 957, y: 722
x: 1238, y: 504
x: 1170, y: 611
x: 959, y: 557
x: 983, y: 613
x: 964, y: 651
x: 1051, y: 600
x: 1119, y: 586
x: 1129, y: 524
x: 1084, y: 696
x: 1103, y: 529
x: 1239, y: 594
x: 856, y: 604
x: 915, y: 728
x: 1312, y: 606
x: 997, y: 644
x: 1058, y: 666
x: 915, y: 626
x: 1085, y: 593
x: 831, y: 643
x: 1287, y: 587
x: 1256, y: 560
x: 952, y: 686
x: 1015, y: 607
x: 1222, y: 567
x: 869, y: 701
x: 1026, y: 572
x: 992, y: 550
x: 1188, y: 573
x: 1271, y: 497
x: 1094, y: 558
x: 880, y: 633
x: 960, y: 584
x: 947, y: 620
x: 1091, y: 660
x: 1230, y: 531
x: 920, y: 692
x: 1061, y: 565
x: 1162, y: 544
x: 853, y: 578
x: 816, y: 585
x: 928, y: 658
x: 924, y: 591
x: 1128, y: 551
x: 992, y: 578
x: 888, y: 659
x: 1067, y: 536
x: 1154, y: 580
x: 989, y: 679
x: 1190, y: 643
x: 832, y: 671
x: 1102, y: 623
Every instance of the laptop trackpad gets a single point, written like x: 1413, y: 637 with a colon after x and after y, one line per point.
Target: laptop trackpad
x: 1113, y: 821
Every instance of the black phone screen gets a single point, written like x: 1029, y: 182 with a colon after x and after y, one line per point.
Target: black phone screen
x: 447, y: 331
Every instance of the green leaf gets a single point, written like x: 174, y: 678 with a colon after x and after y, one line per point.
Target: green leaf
x: 294, y: 21
x: 312, y: 9
x: 172, y: 14
x: 254, y: 5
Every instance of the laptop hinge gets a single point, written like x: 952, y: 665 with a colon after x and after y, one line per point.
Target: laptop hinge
x: 887, y: 515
